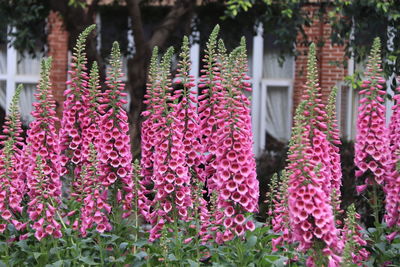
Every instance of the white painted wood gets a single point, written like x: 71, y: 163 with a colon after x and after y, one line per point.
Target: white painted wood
x: 265, y: 83
x: 195, y: 57
x: 11, y: 73
x: 98, y: 32
x: 256, y: 101
x: 389, y: 103
x: 349, y: 115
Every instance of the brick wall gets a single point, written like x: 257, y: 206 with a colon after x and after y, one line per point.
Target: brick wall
x: 58, y: 49
x: 328, y: 57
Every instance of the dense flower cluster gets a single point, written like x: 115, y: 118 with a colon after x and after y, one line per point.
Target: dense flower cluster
x: 12, y: 187
x: 311, y: 214
x: 333, y: 135
x: 392, y: 187
x: 114, y: 142
x: 195, y: 145
x: 42, y: 164
x: 95, y: 207
x: 235, y: 177
x: 354, y: 251
x: 76, y: 121
x: 280, y: 211
x: 209, y: 105
x: 187, y: 121
x: 184, y: 149
x: 372, y: 155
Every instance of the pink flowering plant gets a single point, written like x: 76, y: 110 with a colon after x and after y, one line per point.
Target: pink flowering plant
x: 71, y: 193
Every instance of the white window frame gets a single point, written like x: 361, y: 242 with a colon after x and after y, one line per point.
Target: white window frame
x: 265, y: 83
x: 12, y: 78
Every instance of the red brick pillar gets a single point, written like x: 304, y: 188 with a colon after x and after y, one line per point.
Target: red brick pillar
x: 330, y: 57
x: 57, y: 40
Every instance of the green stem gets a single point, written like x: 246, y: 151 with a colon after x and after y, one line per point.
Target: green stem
x: 7, y: 253
x: 55, y: 245
x: 101, y: 248
x: 178, y: 240
x: 375, y: 204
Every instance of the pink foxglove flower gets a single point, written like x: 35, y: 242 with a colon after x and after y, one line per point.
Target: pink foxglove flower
x: 354, y: 251
x: 234, y: 181
x: 171, y: 173
x: 12, y: 187
x: 93, y: 195
x: 372, y: 156
x: 114, y: 142
x: 392, y: 216
x: 86, y: 186
x: 188, y: 124
x: 333, y: 136
x: 150, y: 131
x: 311, y: 213
x: 42, y: 167
x: 74, y: 136
x: 210, y: 88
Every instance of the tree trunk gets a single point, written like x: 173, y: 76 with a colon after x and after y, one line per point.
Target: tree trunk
x: 138, y: 65
x: 76, y: 20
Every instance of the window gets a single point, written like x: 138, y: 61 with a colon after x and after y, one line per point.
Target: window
x: 16, y: 68
x: 347, y: 111
x: 276, y: 110
x: 276, y: 94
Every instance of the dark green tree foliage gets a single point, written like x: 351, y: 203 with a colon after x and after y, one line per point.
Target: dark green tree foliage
x: 24, y: 20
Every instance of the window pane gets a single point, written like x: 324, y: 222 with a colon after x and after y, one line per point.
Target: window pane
x: 3, y: 58
x: 28, y: 64
x: 278, y: 112
x: 354, y: 112
x: 27, y: 98
x: 274, y: 67
x: 3, y: 96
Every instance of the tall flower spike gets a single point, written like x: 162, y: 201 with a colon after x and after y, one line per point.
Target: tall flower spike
x: 12, y: 187
x: 93, y: 197
x: 147, y: 134
x: 42, y: 161
x: 392, y: 202
x: 114, y: 142
x: 187, y: 125
x: 209, y: 87
x: 156, y: 99
x: 372, y: 156
x: 333, y: 136
x: 149, y: 128
x: 171, y: 177
x: 75, y: 110
x: 235, y: 178
x: 310, y: 180
x: 354, y: 251
x: 280, y: 220
x: 278, y: 211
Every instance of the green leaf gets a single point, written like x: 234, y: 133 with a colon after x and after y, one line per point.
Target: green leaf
x: 87, y: 260
x: 140, y: 243
x: 141, y: 255
x: 172, y: 257
x: 251, y: 241
x: 2, y: 264
x: 271, y: 258
x: 59, y: 263
x: 123, y: 245
x: 381, y: 246
x: 193, y: 263
x: 37, y: 255
x: 54, y: 250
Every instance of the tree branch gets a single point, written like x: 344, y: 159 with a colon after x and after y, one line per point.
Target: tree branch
x: 171, y: 21
x: 137, y: 26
